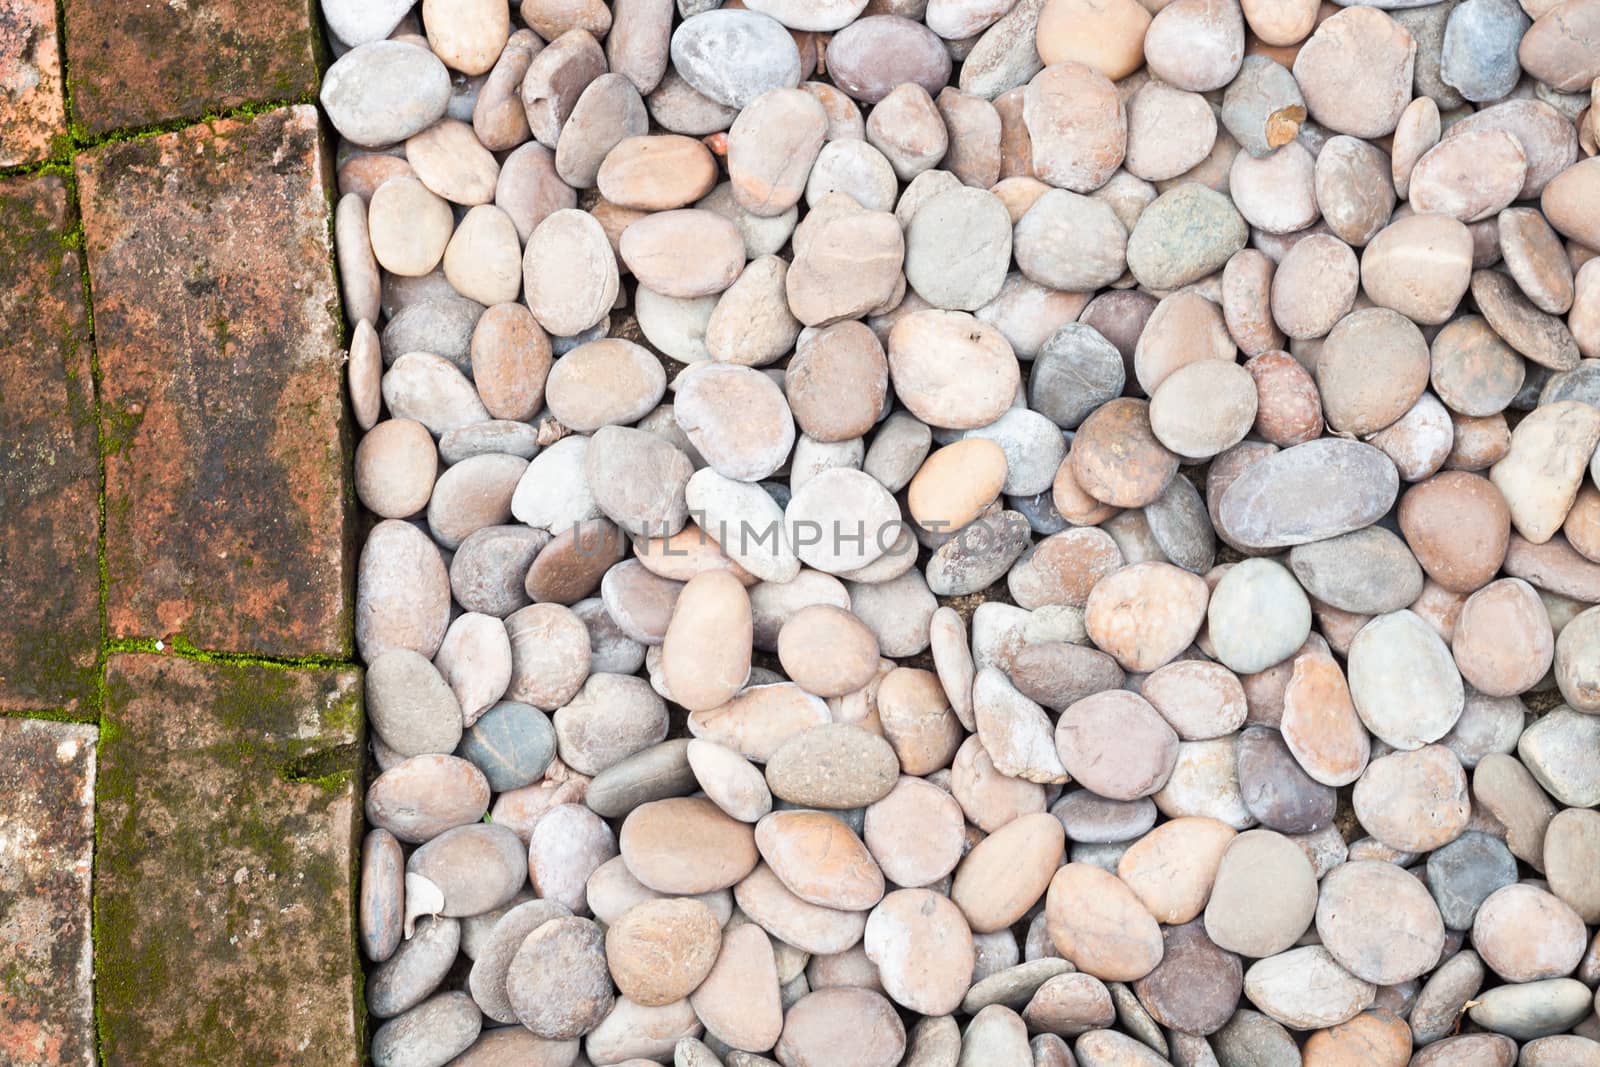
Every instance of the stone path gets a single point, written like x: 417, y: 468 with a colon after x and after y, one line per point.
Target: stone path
x: 179, y: 718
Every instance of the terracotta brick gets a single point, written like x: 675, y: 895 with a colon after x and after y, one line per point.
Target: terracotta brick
x: 32, y: 112
x: 49, y: 467
x: 46, y: 853
x: 228, y: 819
x: 136, y: 63
x: 228, y: 504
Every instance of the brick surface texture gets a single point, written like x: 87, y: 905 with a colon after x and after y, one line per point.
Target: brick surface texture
x: 227, y: 517
x: 228, y: 831
x: 136, y: 63
x: 47, y: 774
x: 49, y: 469
x: 33, y: 114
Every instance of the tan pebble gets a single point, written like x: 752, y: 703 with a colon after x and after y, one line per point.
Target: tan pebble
x: 757, y: 721
x: 1146, y: 614
x: 1320, y: 724
x: 917, y: 719
x: 739, y: 1001
x: 950, y: 369
x: 1417, y: 132
x: 1183, y: 328
x: 1007, y: 872
x: 1171, y: 869
x: 1526, y: 934
x: 1169, y: 131
x: 1200, y: 700
x: 915, y: 833
x: 1414, y: 801
x: 1247, y: 285
x: 1108, y: 37
x: 657, y: 172
x: 820, y: 859
x: 730, y: 780
x: 570, y: 299
x: 684, y: 254
x: 923, y: 948
x: 1116, y: 457
x: 832, y: 1026
x: 1280, y: 23
x: 1288, y: 406
x: 990, y: 799
x: 771, y: 148
x: 686, y: 845
x: 1354, y: 189
x: 1469, y: 177
x: 1076, y: 125
x: 1276, y: 193
x: 1569, y: 202
x: 660, y: 950
x: 1372, y: 1039
x: 510, y: 361
x: 1196, y: 45
x: 706, y: 652
x: 1557, y: 48
x: 409, y: 226
x: 1372, y: 368
x: 956, y: 483
x: 836, y: 381
x: 793, y: 921
x: 1115, y: 744
x: 1264, y: 895
x: 1100, y: 926
x: 467, y: 36
x: 1356, y: 72
x: 1315, y: 286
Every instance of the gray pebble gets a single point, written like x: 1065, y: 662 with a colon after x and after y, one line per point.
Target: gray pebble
x: 1252, y: 1040
x: 1188, y: 232
x: 1462, y: 874
x: 1440, y: 1001
x: 488, y: 568
x: 1562, y: 750
x: 511, y: 744
x: 1366, y: 572
x: 1532, y: 1009
x: 410, y: 705
x: 435, y: 1031
x: 1479, y: 53
x: 415, y: 970
x: 958, y: 248
x: 383, y: 92
x: 484, y: 438
x: 735, y: 56
x: 1075, y: 372
x: 442, y: 326
x: 1180, y: 525
x: 1275, y: 788
x: 655, y: 773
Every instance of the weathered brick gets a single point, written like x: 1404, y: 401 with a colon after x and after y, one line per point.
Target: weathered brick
x: 137, y: 64
x: 49, y: 468
x: 46, y: 852
x: 228, y: 507
x: 33, y: 114
x: 228, y: 819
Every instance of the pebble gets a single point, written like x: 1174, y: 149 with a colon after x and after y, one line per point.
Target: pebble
x: 1353, y: 894
x: 1014, y: 191
x: 1100, y: 926
x: 1403, y: 681
x: 1526, y: 934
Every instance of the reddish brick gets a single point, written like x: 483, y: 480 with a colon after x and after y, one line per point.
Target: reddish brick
x: 229, y: 821
x: 46, y: 851
x: 49, y: 466
x: 228, y: 513
x: 136, y: 64
x: 32, y: 112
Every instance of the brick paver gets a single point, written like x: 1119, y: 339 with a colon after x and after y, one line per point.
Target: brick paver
x: 227, y: 497
x: 49, y: 468
x: 47, y: 774
x: 141, y: 62
x: 33, y: 115
x: 228, y: 829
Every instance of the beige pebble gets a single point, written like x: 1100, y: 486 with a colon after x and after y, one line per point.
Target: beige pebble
x: 1100, y: 926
